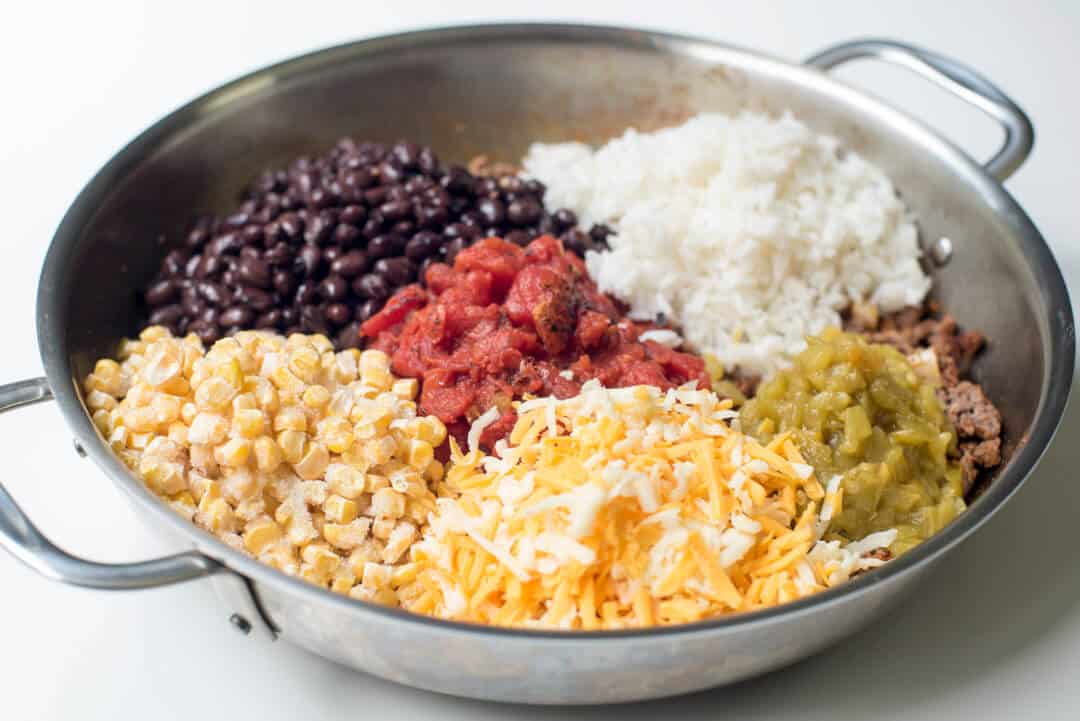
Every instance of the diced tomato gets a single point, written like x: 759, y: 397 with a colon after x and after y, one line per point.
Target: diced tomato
x: 503, y: 323
x: 396, y: 309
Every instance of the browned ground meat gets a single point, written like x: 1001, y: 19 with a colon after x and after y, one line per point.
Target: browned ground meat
x: 977, y: 421
x: 746, y: 383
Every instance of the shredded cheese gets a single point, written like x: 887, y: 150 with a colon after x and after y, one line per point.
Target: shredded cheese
x: 626, y: 508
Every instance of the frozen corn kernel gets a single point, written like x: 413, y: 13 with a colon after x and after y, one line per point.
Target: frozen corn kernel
x: 419, y: 454
x: 102, y: 421
x: 293, y: 444
x: 305, y: 364
x: 268, y: 454
x: 381, y: 528
x: 248, y: 423
x: 161, y: 476
x: 208, y: 428
x: 218, y: 517
x: 162, y: 365
x: 321, y: 556
x: 376, y: 575
x: 339, y: 509
x: 399, y: 541
x: 314, y: 493
x: 347, y: 535
x: 202, y: 458
x: 313, y: 463
x: 290, y: 418
x: 178, y: 433
x: 379, y: 450
x: 260, y: 534
x: 345, y: 481
x: 316, y: 397
x: 405, y: 388
x: 214, y: 394
x: 96, y: 400
x: 234, y: 452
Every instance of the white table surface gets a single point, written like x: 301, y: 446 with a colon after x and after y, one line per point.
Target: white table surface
x: 994, y: 635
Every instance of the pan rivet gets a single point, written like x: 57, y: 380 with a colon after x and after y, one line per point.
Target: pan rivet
x: 79, y: 449
x: 941, y: 252
x: 240, y: 623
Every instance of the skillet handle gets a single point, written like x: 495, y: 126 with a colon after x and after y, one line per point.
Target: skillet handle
x: 958, y: 79
x: 20, y: 538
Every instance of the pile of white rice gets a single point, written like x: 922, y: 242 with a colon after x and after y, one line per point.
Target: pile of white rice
x: 749, y: 232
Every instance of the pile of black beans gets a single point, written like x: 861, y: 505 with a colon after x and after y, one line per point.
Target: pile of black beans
x: 319, y: 247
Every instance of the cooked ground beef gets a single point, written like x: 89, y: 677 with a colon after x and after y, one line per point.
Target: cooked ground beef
x: 977, y: 421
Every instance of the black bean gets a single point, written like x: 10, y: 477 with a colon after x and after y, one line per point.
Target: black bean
x: 456, y: 230
x: 252, y: 234
x: 291, y: 226
x: 372, y: 227
x: 564, y: 219
x: 254, y: 271
x: 212, y: 293
x: 332, y: 253
x: 207, y: 315
x: 290, y: 316
x: 162, y: 293
x: 174, y: 262
x: 353, y: 214
x: 208, y: 333
x: 312, y: 320
x: 406, y: 154
x: 523, y: 211
x: 390, y: 173
x: 383, y: 246
x: 337, y: 314
x: 576, y: 241
x: 269, y: 320
x: 226, y: 244
x: 396, y: 271
x: 257, y: 300
x: 367, y: 309
x: 284, y: 282
x: 427, y: 161
x: 491, y: 210
x: 279, y: 255
x: 431, y: 216
x: 167, y: 315
x: 310, y: 259
x: 395, y: 210
x: 457, y: 180
x: 371, y: 286
x: 422, y: 245
x: 237, y: 315
x: 333, y: 288
x: 306, y: 294
x: 452, y: 249
x: 349, y: 337
x: 351, y: 264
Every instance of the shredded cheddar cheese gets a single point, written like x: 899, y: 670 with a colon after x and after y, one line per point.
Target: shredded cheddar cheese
x: 626, y: 508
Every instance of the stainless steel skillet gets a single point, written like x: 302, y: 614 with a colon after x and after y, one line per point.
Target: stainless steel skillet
x: 494, y: 89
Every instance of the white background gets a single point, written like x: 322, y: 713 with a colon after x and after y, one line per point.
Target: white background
x: 994, y: 635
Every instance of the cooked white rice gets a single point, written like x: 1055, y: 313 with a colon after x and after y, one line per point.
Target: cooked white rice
x: 749, y: 232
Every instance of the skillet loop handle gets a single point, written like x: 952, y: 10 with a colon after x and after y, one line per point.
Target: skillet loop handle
x: 958, y: 79
x: 20, y: 538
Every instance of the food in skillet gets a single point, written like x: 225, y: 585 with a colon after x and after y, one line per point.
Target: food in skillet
x: 517, y: 447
